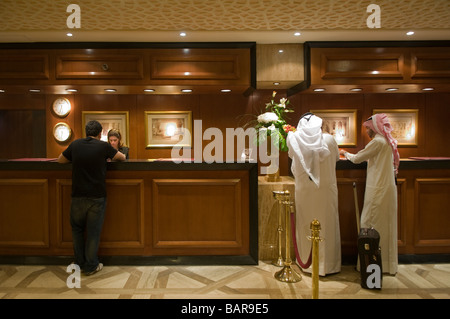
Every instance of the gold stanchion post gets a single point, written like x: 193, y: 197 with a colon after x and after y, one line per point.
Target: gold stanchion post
x: 287, y: 274
x: 315, y: 238
x: 279, y: 195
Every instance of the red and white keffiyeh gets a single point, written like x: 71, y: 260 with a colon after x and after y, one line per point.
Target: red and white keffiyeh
x: 379, y: 123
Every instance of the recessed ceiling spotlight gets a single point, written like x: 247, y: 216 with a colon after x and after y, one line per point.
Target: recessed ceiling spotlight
x: 149, y: 90
x: 280, y: 51
x: 182, y: 34
x: 72, y: 90
x: 319, y: 90
x: 375, y: 72
x: 410, y: 33
x: 356, y: 89
x: 110, y: 90
x: 35, y: 90
x: 187, y: 73
x: 186, y: 90
x: 2, y: 91
x: 391, y: 89
x: 69, y: 34
x: 276, y: 83
x: 428, y: 89
x: 225, y: 90
x: 297, y: 34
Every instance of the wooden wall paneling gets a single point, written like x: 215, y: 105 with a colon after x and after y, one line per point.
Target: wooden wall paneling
x: 402, y: 215
x: 435, y: 125
x: 199, y: 215
x: 24, y: 221
x: 201, y: 66
x: 100, y: 66
x: 124, y: 218
x: 430, y: 66
x: 63, y: 229
x: 23, y: 65
x: 357, y: 65
x: 432, y: 222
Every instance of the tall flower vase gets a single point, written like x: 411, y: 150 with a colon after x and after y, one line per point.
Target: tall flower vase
x: 272, y: 177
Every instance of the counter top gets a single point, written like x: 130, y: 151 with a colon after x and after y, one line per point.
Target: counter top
x: 167, y: 164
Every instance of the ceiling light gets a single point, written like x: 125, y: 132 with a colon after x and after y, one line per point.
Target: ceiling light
x: 410, y: 33
x: 297, y: 34
x: 149, y: 90
x: 428, y: 89
x: 35, y: 90
x: 280, y: 51
x: 69, y: 34
x: 186, y: 90
x: 276, y: 83
x: 2, y: 91
x: 182, y: 34
x: 110, y: 90
x: 375, y: 72
x: 72, y: 90
x: 391, y: 89
x: 356, y: 89
x: 319, y: 90
x: 187, y: 73
x: 225, y: 90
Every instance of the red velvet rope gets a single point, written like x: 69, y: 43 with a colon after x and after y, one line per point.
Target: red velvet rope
x: 299, y: 261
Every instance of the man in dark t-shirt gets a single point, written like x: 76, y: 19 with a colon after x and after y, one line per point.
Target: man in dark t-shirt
x: 87, y: 210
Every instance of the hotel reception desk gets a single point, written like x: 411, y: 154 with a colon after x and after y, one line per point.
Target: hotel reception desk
x: 157, y: 211
x: 199, y: 213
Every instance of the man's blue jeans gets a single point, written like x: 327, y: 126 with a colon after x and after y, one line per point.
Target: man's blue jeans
x: 87, y: 215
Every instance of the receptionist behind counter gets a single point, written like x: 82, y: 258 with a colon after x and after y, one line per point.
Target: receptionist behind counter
x: 115, y: 140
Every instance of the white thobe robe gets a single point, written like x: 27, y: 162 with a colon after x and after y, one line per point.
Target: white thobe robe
x: 321, y: 203
x: 380, y: 198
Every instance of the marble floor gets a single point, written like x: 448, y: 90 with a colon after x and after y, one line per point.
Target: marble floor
x: 413, y: 281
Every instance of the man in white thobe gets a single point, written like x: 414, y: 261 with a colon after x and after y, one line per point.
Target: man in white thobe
x: 314, y: 156
x: 380, y: 198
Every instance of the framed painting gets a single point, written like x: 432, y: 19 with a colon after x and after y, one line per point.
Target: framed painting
x: 165, y: 128
x: 341, y: 124
x: 404, y: 123
x: 108, y: 120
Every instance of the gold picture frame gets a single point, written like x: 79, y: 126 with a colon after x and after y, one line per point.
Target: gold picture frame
x: 165, y: 128
x: 404, y: 123
x: 341, y: 124
x: 109, y: 120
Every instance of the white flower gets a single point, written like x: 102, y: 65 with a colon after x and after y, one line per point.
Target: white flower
x: 268, y: 117
x: 283, y: 102
x: 272, y: 127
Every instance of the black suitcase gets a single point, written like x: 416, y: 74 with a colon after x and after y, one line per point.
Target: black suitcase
x: 370, y: 258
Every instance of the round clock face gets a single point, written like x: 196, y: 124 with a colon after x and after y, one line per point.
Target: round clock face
x: 61, y: 106
x: 62, y: 132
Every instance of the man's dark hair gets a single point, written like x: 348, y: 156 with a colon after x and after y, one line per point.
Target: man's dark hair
x: 93, y: 128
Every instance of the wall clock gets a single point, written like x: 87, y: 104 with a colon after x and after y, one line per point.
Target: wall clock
x: 61, y: 106
x: 62, y: 132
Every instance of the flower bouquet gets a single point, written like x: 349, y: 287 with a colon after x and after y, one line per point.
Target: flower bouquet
x: 273, y: 123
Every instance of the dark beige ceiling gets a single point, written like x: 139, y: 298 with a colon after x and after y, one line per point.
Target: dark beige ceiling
x: 262, y: 21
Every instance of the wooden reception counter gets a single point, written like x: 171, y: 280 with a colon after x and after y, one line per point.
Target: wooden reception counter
x: 423, y: 210
x: 156, y: 210
x: 162, y: 212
